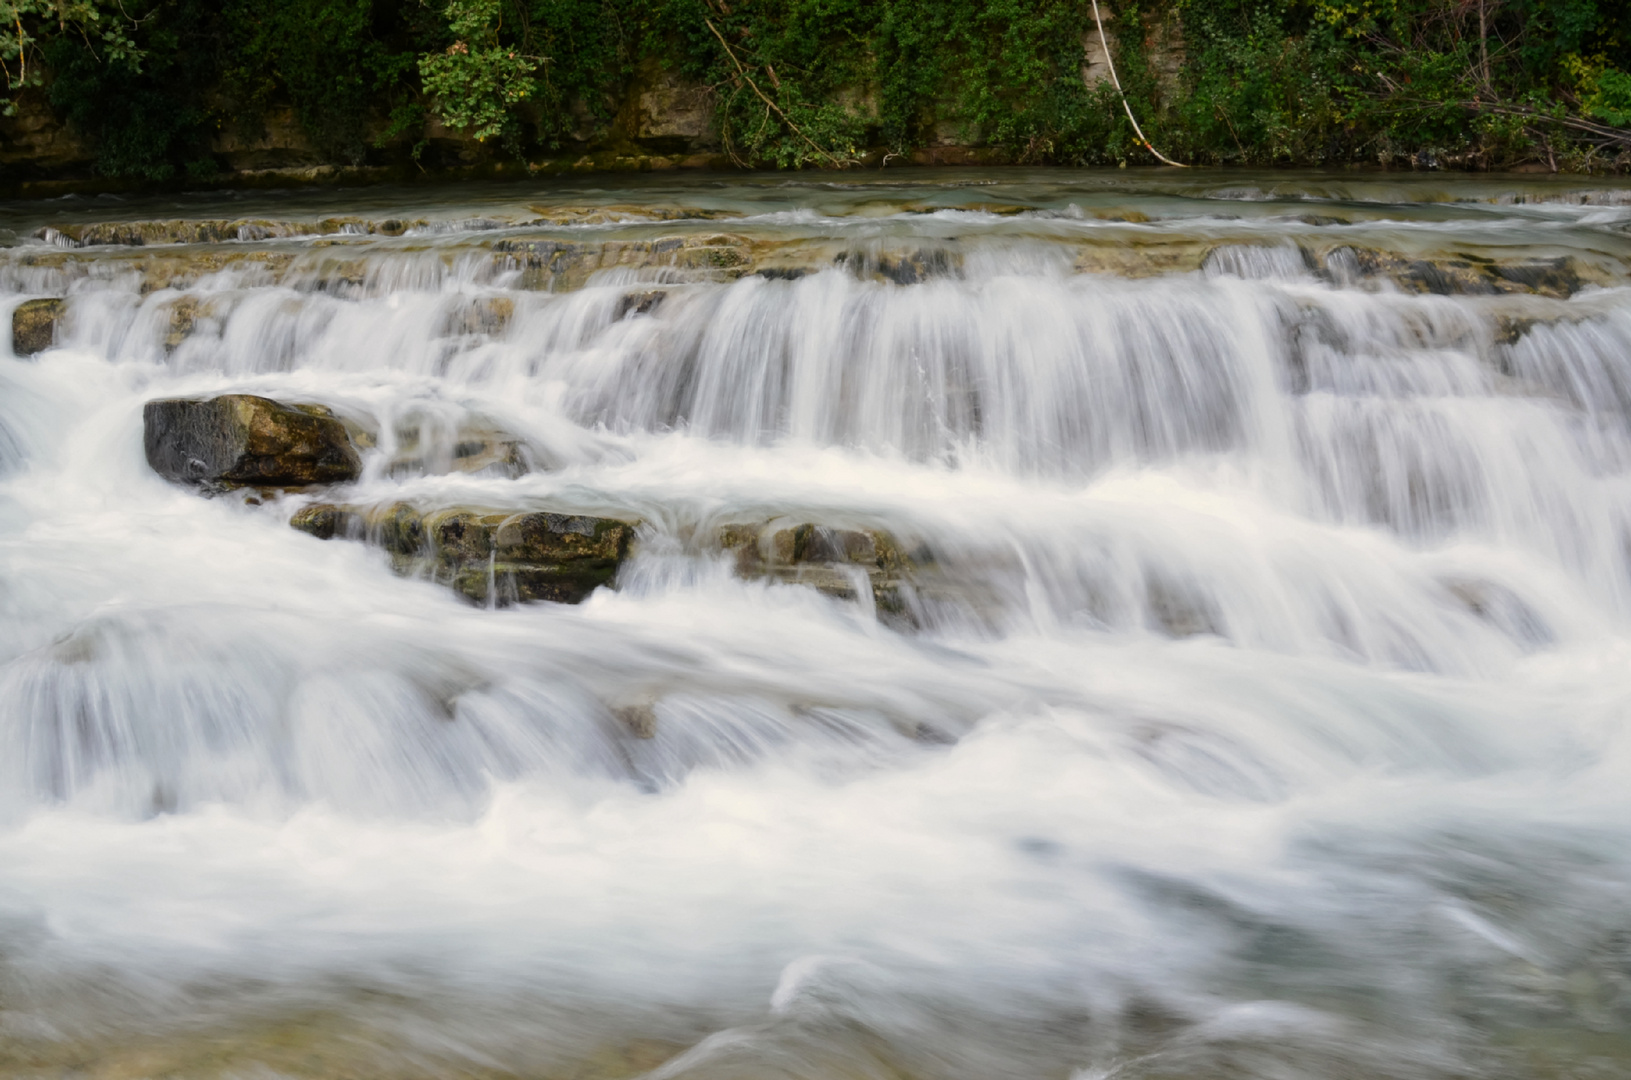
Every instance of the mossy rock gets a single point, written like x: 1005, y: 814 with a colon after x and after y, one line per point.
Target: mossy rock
x: 489, y: 556
x: 556, y: 538
x: 508, y: 583
x: 241, y: 439
x: 1464, y: 275
x: 326, y: 521
x: 826, y: 559
x: 34, y: 326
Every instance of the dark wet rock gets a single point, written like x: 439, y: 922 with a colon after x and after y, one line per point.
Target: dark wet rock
x: 243, y: 440
x: 902, y: 268
x: 838, y: 562
x: 784, y: 273
x: 326, y: 521
x: 1550, y: 277
x: 641, y: 303
x: 489, y: 556
x: 1463, y: 275
x: 34, y: 326
x: 639, y: 718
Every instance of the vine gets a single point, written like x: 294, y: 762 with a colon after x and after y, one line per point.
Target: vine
x: 816, y: 83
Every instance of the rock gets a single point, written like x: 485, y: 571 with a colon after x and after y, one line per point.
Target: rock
x: 495, y: 556
x: 838, y: 562
x: 902, y: 268
x: 34, y: 326
x: 240, y: 439
x: 429, y: 445
x: 146, y: 233
x: 183, y: 318
x: 1465, y: 275
x: 1178, y: 608
x: 326, y: 521
x: 639, y: 718
x: 624, y: 213
x: 641, y: 303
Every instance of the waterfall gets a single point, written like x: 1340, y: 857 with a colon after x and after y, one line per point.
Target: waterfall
x: 1254, y: 701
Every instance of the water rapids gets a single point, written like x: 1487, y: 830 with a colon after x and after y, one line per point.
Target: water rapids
x: 1266, y: 713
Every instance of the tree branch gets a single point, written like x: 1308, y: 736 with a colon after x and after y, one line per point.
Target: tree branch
x: 743, y: 72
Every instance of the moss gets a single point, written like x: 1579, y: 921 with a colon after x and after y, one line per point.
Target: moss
x: 34, y: 326
x: 488, y: 556
x: 242, y: 439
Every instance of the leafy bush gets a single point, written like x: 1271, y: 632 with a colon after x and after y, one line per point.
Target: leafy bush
x: 816, y: 82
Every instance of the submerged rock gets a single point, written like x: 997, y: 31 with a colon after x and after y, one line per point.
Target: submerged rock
x: 1462, y: 275
x: 902, y: 267
x: 34, y: 326
x: 241, y: 439
x: 489, y: 556
x: 549, y: 264
x: 839, y: 562
x: 433, y: 445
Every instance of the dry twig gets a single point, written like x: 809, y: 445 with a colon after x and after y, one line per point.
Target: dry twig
x: 743, y: 72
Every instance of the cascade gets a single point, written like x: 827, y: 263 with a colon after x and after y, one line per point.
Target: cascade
x: 1074, y: 625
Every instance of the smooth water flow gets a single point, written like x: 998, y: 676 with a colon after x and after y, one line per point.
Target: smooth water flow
x: 1261, y: 706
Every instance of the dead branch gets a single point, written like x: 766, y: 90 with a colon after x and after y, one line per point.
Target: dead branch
x: 743, y: 72
x: 1111, y: 64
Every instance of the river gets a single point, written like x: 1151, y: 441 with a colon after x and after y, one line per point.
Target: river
x: 1256, y: 703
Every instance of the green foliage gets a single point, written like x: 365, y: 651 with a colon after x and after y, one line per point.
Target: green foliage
x: 1258, y: 92
x: 27, y: 26
x: 588, y: 50
x: 799, y: 83
x: 477, y: 82
x: 810, y: 82
x: 1611, y: 100
x: 320, y: 55
x: 143, y: 105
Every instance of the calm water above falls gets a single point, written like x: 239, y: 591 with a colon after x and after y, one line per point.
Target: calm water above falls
x: 1264, y: 709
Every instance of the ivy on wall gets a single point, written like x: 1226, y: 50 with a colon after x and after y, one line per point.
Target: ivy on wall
x: 1477, y: 83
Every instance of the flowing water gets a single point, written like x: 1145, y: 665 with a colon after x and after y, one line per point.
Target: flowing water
x: 1268, y: 713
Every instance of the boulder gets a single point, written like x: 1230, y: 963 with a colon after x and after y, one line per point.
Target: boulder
x: 34, y: 326
x: 238, y: 440
x: 489, y: 556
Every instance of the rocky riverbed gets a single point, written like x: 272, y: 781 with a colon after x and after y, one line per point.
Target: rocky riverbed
x: 911, y: 624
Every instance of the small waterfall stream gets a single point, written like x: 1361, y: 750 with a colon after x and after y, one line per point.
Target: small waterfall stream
x: 1261, y: 705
